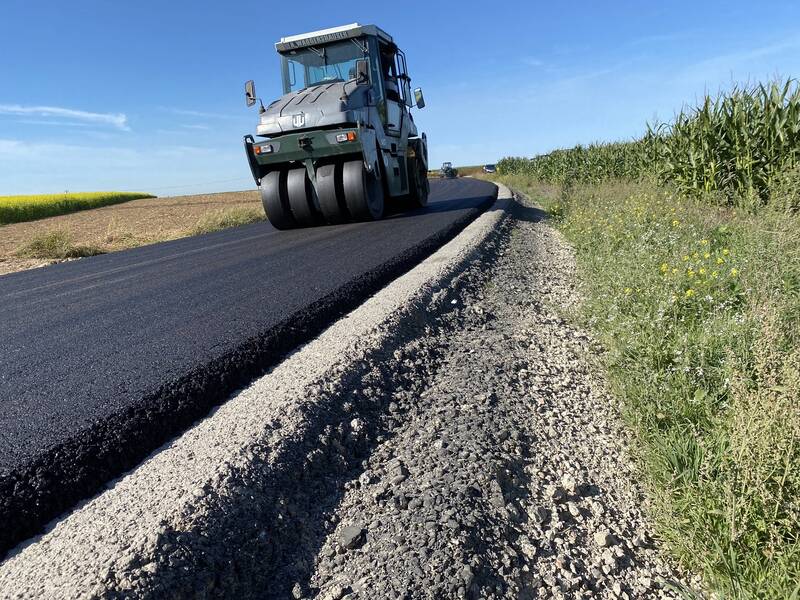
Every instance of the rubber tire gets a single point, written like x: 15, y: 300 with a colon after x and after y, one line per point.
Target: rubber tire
x: 331, y: 194
x: 420, y: 187
x: 301, y: 197
x: 363, y: 192
x: 275, y: 201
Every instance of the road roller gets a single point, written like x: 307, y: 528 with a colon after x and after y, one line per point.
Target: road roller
x: 340, y: 145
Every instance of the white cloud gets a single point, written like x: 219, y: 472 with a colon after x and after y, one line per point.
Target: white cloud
x: 52, y: 123
x: 662, y: 38
x: 118, y: 120
x: 742, y: 65
x: 532, y: 61
x: 197, y: 113
x: 14, y: 148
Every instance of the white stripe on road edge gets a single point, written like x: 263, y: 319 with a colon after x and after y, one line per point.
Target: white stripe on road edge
x: 88, y: 552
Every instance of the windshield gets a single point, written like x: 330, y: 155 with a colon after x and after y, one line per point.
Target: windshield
x: 306, y: 67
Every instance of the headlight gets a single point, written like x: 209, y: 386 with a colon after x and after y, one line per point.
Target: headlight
x: 350, y: 136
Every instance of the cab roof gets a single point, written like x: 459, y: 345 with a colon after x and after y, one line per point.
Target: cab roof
x: 334, y: 34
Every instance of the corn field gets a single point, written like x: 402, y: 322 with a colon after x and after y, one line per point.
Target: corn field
x: 743, y: 144
x: 583, y: 164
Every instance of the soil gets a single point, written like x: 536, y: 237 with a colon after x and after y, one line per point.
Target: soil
x: 120, y: 226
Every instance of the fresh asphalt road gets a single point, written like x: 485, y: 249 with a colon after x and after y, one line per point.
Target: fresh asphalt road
x: 105, y: 358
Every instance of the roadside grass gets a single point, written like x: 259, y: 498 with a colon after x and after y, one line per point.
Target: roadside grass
x: 16, y: 209
x: 56, y: 245
x: 226, y: 218
x: 698, y: 307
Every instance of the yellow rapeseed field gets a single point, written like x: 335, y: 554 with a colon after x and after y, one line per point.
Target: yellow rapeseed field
x: 16, y: 209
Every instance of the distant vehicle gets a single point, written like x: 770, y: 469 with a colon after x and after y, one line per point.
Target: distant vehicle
x: 489, y: 168
x: 448, y: 171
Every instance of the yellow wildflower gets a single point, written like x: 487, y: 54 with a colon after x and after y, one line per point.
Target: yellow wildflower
x: 720, y: 261
x: 703, y: 242
x: 664, y: 267
x: 675, y: 222
x: 702, y: 271
x: 725, y: 251
x: 689, y: 293
x: 734, y: 272
x: 628, y: 291
x: 706, y: 255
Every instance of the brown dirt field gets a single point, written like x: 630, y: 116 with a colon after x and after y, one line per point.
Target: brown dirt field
x: 121, y: 226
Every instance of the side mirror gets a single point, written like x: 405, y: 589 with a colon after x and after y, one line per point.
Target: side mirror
x: 419, y: 98
x: 250, y: 93
x: 362, y: 72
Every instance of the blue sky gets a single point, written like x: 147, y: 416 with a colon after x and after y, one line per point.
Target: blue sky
x: 147, y: 95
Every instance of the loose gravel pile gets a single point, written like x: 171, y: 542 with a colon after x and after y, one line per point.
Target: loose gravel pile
x: 507, y: 477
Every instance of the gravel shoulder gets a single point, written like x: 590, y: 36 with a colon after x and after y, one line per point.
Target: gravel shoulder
x: 509, y: 474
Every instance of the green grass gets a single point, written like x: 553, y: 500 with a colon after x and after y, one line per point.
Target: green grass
x: 223, y: 219
x: 698, y: 306
x: 56, y: 245
x: 16, y: 209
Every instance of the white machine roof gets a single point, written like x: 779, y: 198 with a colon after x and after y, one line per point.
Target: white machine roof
x: 324, y: 36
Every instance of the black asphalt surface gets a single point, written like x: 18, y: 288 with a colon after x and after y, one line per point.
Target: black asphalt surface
x: 104, y: 359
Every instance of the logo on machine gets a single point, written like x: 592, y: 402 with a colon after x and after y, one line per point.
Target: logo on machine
x: 299, y: 120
